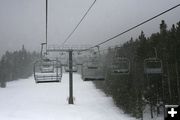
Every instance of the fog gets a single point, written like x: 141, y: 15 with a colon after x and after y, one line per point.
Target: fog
x: 23, y: 21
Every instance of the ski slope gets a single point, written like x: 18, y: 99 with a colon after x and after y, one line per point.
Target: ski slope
x: 26, y: 100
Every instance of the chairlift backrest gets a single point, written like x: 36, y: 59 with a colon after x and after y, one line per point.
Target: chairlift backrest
x: 74, y: 67
x: 92, y: 70
x: 47, y: 71
x: 153, y: 66
x: 117, y: 50
x: 120, y: 65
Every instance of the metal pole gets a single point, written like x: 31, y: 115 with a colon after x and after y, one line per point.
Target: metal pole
x: 46, y: 22
x: 70, y: 78
x: 41, y: 50
x: 42, y: 44
x: 155, y: 50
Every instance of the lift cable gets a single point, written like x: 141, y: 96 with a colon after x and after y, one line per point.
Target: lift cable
x: 78, y: 23
x: 133, y: 27
x: 46, y: 24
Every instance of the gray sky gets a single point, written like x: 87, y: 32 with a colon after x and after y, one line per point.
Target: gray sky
x: 23, y: 21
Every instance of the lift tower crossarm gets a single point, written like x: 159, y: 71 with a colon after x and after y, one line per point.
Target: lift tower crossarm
x: 70, y: 50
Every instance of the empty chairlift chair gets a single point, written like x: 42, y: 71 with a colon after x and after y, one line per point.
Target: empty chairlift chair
x: 74, y: 68
x: 46, y: 70
x: 120, y: 66
x: 92, y: 70
x: 63, y: 59
x: 153, y: 66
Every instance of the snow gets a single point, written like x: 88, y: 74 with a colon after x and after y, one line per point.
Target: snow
x: 147, y: 114
x: 26, y: 100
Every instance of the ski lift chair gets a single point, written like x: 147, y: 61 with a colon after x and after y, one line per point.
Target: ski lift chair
x: 79, y: 60
x: 153, y: 66
x: 120, y: 66
x: 92, y: 70
x: 63, y: 59
x: 46, y: 70
x: 74, y: 68
x: 47, y: 66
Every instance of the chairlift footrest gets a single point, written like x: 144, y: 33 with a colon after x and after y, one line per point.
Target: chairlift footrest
x: 48, y: 81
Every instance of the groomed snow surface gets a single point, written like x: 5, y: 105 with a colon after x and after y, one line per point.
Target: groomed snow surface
x: 26, y: 100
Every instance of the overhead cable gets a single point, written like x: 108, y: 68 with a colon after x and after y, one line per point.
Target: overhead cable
x: 78, y: 23
x: 109, y: 39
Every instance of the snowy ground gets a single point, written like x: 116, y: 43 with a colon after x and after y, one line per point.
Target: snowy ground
x: 26, y: 100
x: 147, y: 114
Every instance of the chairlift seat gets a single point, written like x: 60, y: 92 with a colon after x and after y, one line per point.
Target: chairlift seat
x: 74, y: 69
x: 92, y: 67
x: 153, y: 70
x: 120, y: 65
x: 47, y: 71
x: 92, y: 72
x: 121, y: 71
x: 153, y: 66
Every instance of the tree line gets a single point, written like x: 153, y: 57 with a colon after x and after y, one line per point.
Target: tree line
x: 15, y: 65
x: 133, y: 92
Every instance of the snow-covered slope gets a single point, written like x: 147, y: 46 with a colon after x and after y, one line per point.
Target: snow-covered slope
x: 26, y: 100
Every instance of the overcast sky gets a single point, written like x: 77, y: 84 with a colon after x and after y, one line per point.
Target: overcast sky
x: 23, y: 21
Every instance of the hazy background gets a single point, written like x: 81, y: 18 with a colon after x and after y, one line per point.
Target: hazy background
x: 23, y: 21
